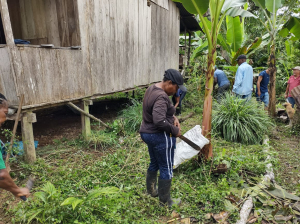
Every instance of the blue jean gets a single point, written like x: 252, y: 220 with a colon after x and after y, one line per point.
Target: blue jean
x: 222, y: 90
x: 161, y: 150
x: 291, y: 101
x: 264, y: 98
x: 246, y: 97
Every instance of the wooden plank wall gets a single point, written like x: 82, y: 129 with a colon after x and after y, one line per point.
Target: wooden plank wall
x: 162, y: 3
x: 45, y: 21
x: 125, y: 44
x: 7, y: 84
x: 165, y: 41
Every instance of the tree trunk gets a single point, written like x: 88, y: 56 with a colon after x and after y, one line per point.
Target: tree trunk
x: 207, y: 108
x: 272, y: 66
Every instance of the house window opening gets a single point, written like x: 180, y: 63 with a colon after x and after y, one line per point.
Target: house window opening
x: 39, y: 22
x: 2, y: 34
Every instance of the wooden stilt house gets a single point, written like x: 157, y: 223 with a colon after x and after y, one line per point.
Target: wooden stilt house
x: 82, y: 49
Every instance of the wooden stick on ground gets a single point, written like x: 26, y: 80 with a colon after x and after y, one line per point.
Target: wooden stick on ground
x: 87, y: 114
x: 182, y: 119
x: 14, y: 133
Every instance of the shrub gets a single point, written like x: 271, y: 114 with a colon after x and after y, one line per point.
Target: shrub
x: 132, y: 116
x: 236, y: 120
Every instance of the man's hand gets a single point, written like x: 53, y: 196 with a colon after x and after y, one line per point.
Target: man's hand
x: 22, y: 192
x: 258, y: 93
x: 285, y: 95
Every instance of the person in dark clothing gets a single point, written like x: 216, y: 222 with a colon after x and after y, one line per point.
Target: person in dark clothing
x: 6, y: 182
x: 262, y: 93
x: 159, y: 130
x: 177, y: 100
x: 221, y: 79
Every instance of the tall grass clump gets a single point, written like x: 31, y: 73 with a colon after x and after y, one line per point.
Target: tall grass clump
x: 102, y: 139
x: 236, y: 120
x: 132, y: 116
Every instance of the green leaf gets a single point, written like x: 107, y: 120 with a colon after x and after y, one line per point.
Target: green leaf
x: 239, y: 12
x: 293, y: 25
x: 284, y: 32
x: 68, y: 201
x: 288, y: 48
x: 281, y: 193
x: 36, y: 212
x: 234, y: 32
x: 103, y: 191
x: 49, y: 189
x: 190, y: 7
x: 228, y: 4
x: 273, y: 5
x: 256, y: 43
x: 72, y: 201
x: 260, y: 3
x: 199, y: 50
x: 76, y: 202
x: 221, y: 41
x: 42, y: 196
x: 229, y: 207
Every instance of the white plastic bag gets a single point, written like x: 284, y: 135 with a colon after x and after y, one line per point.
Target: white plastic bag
x: 185, y: 152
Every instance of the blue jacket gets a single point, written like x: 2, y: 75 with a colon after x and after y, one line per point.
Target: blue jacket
x: 243, y: 84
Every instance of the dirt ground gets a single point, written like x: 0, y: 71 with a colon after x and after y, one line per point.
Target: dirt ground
x: 62, y: 122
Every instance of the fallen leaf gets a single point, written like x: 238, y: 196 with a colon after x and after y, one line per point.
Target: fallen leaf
x: 283, y: 218
x: 175, y: 215
x: 208, y: 216
x: 219, y: 217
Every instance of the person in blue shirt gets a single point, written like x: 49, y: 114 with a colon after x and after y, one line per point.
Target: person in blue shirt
x: 177, y: 100
x: 223, y: 82
x: 243, y: 85
x: 262, y: 93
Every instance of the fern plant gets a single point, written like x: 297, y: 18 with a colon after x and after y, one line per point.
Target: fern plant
x: 236, y: 120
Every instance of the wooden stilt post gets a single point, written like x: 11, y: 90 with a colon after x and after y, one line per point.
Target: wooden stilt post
x: 85, y: 120
x: 189, y: 51
x: 27, y: 136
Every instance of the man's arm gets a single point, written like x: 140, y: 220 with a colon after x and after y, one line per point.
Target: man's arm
x: 8, y: 184
x: 215, y: 81
x: 177, y: 99
x: 287, y: 91
x: 258, y: 85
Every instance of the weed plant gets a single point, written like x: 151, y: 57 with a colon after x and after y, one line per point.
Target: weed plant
x: 102, y: 139
x: 132, y: 116
x: 195, y: 94
x: 236, y: 120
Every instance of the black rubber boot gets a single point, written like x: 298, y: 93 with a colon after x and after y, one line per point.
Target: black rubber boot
x: 151, y: 181
x: 164, y: 187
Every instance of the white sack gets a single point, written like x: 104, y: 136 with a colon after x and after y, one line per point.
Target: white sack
x: 185, y: 152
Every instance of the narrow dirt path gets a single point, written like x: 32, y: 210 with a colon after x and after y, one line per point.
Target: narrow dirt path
x: 288, y: 148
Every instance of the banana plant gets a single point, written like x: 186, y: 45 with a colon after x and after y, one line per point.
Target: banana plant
x: 273, y: 23
x: 218, y: 9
